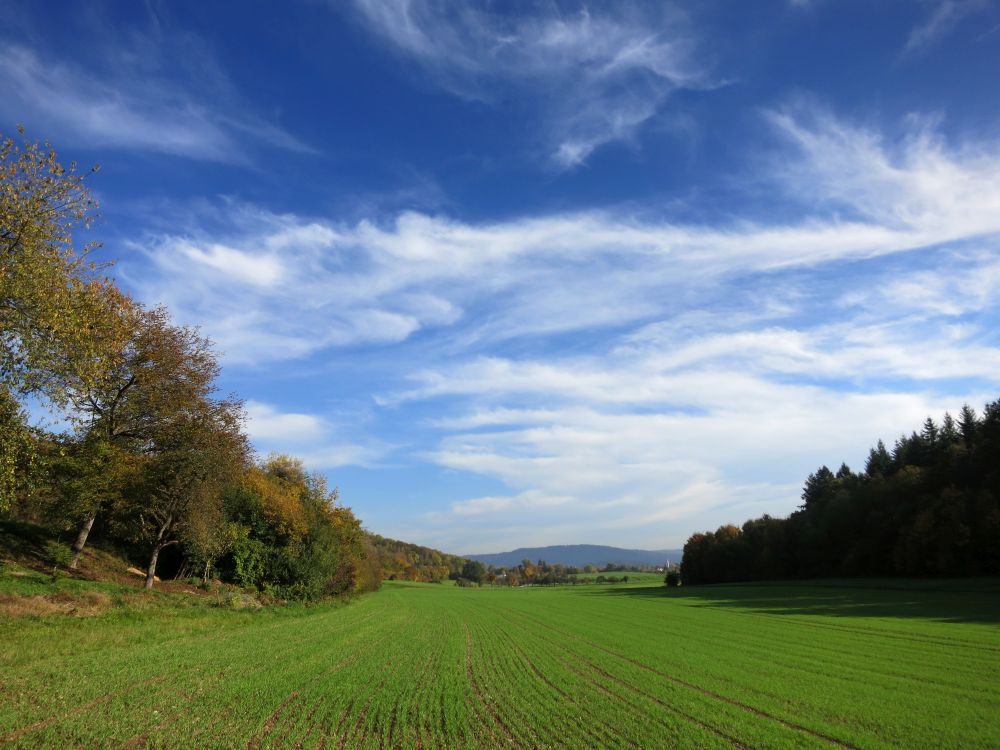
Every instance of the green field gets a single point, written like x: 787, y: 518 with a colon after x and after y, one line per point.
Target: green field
x: 633, y: 576
x: 422, y: 666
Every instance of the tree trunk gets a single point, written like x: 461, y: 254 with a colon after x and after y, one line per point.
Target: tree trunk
x: 81, y: 540
x: 151, y: 570
x: 208, y: 569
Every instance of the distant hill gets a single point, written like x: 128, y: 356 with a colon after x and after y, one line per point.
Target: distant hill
x: 580, y: 555
x: 410, y: 562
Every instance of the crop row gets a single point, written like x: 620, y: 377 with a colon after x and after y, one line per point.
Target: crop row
x: 423, y: 666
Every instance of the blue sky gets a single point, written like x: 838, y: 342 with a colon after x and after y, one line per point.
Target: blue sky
x: 538, y: 273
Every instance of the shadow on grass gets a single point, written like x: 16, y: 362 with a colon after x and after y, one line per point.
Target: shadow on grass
x: 944, y: 601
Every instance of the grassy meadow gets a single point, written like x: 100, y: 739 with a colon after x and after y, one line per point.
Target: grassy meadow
x: 887, y: 664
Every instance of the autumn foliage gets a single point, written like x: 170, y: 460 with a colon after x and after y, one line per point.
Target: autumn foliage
x: 154, y: 461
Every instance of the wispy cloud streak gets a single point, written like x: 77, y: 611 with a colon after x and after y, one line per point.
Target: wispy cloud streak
x: 316, y: 284
x: 698, y: 351
x: 594, y: 75
x: 946, y: 15
x: 126, y: 107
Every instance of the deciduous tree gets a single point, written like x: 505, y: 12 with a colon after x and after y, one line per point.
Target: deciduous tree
x: 160, y: 375
x: 190, y: 463
x: 55, y: 317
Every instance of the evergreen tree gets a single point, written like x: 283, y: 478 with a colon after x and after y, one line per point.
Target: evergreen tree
x: 932, y: 509
x: 968, y: 423
x: 879, y: 462
x: 819, y: 487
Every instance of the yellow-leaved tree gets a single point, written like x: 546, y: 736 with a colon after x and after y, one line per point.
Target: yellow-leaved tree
x: 58, y: 313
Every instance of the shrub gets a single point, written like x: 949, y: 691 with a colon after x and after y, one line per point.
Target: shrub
x: 58, y: 555
x: 673, y: 579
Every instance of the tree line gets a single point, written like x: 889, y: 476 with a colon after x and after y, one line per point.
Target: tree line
x: 404, y: 561
x: 930, y: 506
x: 153, y: 460
x: 540, y: 573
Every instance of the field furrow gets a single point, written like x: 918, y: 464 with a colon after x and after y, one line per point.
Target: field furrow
x: 429, y: 667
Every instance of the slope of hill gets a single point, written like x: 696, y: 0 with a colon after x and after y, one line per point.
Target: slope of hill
x: 34, y: 581
x: 579, y: 555
x: 411, y: 562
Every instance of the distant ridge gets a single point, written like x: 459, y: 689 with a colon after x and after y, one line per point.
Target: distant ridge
x: 579, y: 555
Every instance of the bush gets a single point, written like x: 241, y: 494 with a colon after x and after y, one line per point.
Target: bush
x: 58, y: 555
x: 239, y: 601
x: 673, y: 579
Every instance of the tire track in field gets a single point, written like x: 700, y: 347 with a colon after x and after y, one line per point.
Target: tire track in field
x: 254, y: 742
x: 421, y: 683
x: 608, y: 730
x: 537, y: 672
x: 612, y: 732
x: 325, y: 725
x: 840, y: 660
x: 327, y: 732
x: 339, y: 731
x: 511, y: 740
x: 697, y: 688
x: 833, y: 660
x: 16, y: 734
x: 424, y: 728
x: 667, y: 706
x: 614, y: 696
x: 142, y: 738
x: 633, y: 689
x: 308, y: 721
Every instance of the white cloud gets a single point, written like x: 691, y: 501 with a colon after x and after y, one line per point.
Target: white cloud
x: 595, y: 75
x: 311, y: 284
x: 971, y: 284
x: 256, y: 269
x: 708, y: 369
x: 687, y: 421
x: 337, y: 454
x: 916, y: 186
x: 310, y: 437
x: 946, y: 15
x: 642, y: 476
x: 124, y: 109
x: 267, y: 424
